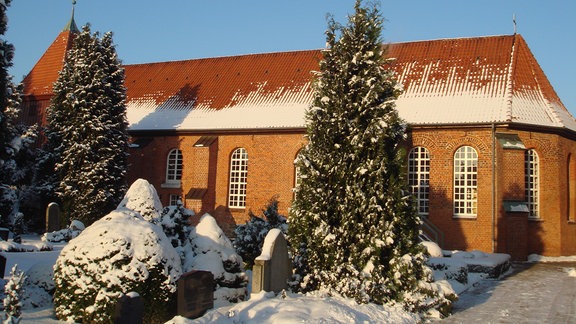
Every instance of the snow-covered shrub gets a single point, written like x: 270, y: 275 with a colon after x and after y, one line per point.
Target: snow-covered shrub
x: 433, y: 249
x: 214, y: 252
x: 17, y: 247
x: 250, y: 236
x: 13, y: 300
x: 175, y: 224
x: 117, y: 254
x: 38, y: 286
x: 65, y: 234
x: 143, y: 198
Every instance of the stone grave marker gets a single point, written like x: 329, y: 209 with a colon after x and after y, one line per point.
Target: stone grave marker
x: 272, y: 269
x: 52, y: 217
x: 129, y: 310
x: 2, y: 265
x: 4, y: 233
x: 195, y: 293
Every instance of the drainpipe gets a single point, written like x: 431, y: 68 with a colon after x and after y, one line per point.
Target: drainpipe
x: 493, y: 187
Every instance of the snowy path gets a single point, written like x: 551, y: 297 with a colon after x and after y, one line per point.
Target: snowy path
x: 534, y: 293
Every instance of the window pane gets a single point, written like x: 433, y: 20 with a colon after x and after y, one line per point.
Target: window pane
x: 238, y: 178
x: 465, y: 182
x: 419, y: 177
x: 532, y: 184
x: 174, y: 166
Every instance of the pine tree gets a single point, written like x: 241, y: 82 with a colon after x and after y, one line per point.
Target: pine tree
x: 87, y: 128
x: 250, y: 236
x: 16, y: 153
x: 14, y: 291
x: 353, y: 227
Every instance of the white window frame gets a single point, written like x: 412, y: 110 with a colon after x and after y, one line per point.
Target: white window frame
x: 532, y: 182
x: 173, y: 169
x: 174, y: 199
x: 465, y: 182
x: 419, y: 178
x: 238, y: 178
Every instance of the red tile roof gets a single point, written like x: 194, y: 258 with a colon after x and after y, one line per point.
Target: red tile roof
x: 40, y: 79
x: 451, y: 81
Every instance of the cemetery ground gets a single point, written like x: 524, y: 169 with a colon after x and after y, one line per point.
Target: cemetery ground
x: 542, y: 290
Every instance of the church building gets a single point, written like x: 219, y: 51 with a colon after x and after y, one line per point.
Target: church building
x: 491, y: 147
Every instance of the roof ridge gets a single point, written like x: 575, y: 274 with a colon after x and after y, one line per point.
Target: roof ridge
x: 451, y: 39
x: 226, y: 57
x: 509, y: 89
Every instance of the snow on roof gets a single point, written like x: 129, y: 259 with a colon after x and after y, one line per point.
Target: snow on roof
x: 493, y: 79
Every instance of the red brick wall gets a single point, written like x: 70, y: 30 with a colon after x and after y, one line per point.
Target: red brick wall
x: 271, y: 173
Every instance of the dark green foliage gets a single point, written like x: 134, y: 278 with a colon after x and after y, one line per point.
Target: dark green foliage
x: 118, y: 254
x: 175, y: 222
x: 353, y: 228
x: 16, y: 154
x: 87, y: 128
x: 250, y: 236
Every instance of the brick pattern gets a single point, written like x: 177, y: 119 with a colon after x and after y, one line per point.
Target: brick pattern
x: 271, y: 173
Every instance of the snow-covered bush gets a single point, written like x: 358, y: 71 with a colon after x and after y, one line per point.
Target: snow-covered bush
x: 143, y: 198
x: 39, y: 286
x: 433, y: 249
x: 175, y: 224
x: 117, y: 254
x: 66, y: 234
x: 13, y: 300
x: 214, y: 252
x: 250, y: 236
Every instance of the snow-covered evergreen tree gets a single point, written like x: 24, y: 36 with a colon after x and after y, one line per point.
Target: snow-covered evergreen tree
x: 16, y: 155
x: 175, y: 222
x: 87, y: 126
x: 118, y: 254
x: 250, y: 236
x: 353, y: 226
x: 143, y: 198
x: 14, y: 291
x: 213, y: 251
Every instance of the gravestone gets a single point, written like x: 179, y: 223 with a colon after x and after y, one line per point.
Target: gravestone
x: 129, y: 310
x: 2, y: 265
x: 4, y: 234
x: 272, y: 269
x: 52, y: 217
x: 195, y: 293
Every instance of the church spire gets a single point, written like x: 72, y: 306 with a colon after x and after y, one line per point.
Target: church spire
x: 71, y: 25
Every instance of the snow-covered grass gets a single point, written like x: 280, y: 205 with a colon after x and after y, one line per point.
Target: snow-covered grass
x: 260, y: 308
x: 264, y: 307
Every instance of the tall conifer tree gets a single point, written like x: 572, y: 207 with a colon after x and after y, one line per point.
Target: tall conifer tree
x: 88, y: 130
x: 16, y: 153
x: 353, y: 227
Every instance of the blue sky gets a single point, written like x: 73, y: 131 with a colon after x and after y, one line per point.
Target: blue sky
x: 152, y: 31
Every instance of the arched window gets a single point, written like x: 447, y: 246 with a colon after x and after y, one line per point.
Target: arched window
x: 238, y: 178
x: 532, y: 182
x: 419, y: 177
x: 174, y: 168
x: 465, y: 182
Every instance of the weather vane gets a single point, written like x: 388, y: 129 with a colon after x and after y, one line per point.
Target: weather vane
x: 73, y: 2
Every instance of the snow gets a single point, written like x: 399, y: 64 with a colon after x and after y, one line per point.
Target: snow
x: 269, y: 244
x: 265, y: 307
x: 143, y: 198
x: 433, y: 249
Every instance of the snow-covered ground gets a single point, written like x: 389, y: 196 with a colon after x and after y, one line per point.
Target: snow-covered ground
x: 263, y: 307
